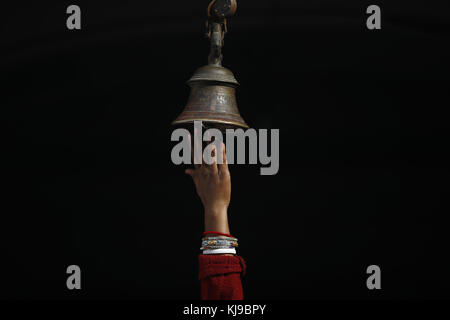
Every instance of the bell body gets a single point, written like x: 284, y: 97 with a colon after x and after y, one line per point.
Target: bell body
x: 212, y: 99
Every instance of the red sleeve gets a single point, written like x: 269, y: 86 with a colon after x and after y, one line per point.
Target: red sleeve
x: 220, y: 277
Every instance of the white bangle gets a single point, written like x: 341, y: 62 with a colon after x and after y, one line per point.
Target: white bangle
x: 219, y: 251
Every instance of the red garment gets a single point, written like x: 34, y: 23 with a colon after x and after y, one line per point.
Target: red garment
x: 220, y: 277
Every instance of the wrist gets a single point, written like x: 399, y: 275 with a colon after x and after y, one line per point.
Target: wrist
x: 216, y: 212
x: 217, y: 220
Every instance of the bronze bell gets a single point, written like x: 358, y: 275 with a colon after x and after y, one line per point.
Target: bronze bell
x: 213, y: 87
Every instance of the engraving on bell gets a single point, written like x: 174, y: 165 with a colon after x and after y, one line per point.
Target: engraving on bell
x: 212, y: 98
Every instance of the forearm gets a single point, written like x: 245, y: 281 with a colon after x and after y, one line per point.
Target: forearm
x: 217, y: 220
x: 220, y: 274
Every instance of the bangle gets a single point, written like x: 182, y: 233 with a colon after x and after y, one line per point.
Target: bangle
x: 219, y: 251
x: 218, y: 233
x: 220, y: 243
x: 219, y: 238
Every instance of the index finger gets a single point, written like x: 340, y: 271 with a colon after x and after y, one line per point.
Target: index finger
x: 223, y: 166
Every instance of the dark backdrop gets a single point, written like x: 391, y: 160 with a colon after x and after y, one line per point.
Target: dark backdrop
x: 363, y: 158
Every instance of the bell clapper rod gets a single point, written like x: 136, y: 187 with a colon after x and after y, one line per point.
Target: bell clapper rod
x: 218, y: 11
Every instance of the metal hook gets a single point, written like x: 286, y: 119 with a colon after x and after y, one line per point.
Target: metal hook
x: 218, y: 11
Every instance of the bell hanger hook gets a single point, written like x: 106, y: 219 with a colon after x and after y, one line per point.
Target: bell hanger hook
x: 218, y: 12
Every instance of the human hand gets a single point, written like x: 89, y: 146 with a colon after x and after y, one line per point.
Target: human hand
x: 213, y: 185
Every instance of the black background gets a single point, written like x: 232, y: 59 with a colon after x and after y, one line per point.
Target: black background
x: 363, y: 149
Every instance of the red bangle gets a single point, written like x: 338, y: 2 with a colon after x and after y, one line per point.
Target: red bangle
x: 218, y: 233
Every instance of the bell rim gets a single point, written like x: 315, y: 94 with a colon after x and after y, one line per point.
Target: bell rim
x: 230, y: 122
